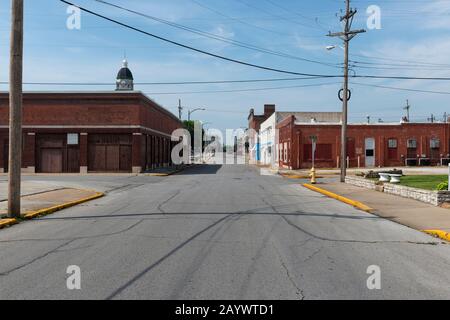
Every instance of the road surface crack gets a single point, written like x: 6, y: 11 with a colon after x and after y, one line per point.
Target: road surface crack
x: 160, y: 209
x: 298, y: 291
x: 289, y: 222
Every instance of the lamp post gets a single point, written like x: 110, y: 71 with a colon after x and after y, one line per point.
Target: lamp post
x: 192, y: 111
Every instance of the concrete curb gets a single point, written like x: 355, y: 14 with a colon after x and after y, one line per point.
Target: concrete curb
x: 156, y: 174
x: 42, y: 212
x: 46, y: 211
x: 439, y: 234
x: 351, y: 202
x: 7, y: 222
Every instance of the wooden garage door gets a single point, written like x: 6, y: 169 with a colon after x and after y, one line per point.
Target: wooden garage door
x: 51, y: 160
x: 109, y: 153
x: 50, y: 153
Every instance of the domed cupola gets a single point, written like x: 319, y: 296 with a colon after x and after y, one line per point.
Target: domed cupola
x: 124, y: 80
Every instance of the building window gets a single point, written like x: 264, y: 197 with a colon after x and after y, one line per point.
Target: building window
x: 434, y: 146
x: 434, y: 143
x: 72, y: 139
x: 411, y: 144
x: 392, y: 149
x: 392, y: 143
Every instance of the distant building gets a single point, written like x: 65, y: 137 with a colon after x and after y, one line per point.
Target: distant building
x: 368, y: 144
x: 268, y: 134
x: 109, y: 131
x: 254, y: 124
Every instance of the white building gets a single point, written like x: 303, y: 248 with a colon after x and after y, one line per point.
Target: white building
x: 268, y: 134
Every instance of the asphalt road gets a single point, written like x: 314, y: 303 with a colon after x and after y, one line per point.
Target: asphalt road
x: 216, y: 232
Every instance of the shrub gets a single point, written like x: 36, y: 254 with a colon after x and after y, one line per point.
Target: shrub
x: 442, y: 186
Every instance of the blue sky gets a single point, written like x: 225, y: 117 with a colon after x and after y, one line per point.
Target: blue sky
x: 412, y: 31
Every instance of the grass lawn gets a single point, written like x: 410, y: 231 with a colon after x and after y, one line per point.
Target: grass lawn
x: 428, y: 182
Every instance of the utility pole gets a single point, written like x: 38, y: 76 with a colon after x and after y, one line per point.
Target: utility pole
x: 346, y: 36
x: 180, y: 109
x: 407, y: 110
x: 15, y: 109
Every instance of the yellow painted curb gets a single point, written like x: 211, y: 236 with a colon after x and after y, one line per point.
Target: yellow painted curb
x: 351, y: 202
x: 296, y: 176
x: 438, y: 233
x: 7, y: 222
x: 45, y: 211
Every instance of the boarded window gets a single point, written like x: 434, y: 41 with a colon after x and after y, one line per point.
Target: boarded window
x: 435, y: 148
x: 411, y: 145
x: 392, y: 149
x: 351, y: 150
x: 323, y: 152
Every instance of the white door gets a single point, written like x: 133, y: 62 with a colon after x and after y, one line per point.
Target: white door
x: 370, y: 152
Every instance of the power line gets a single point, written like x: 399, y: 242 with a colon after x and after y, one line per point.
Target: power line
x: 218, y: 37
x: 235, y: 19
x: 247, y: 63
x: 245, y: 90
x: 401, y: 89
x: 167, y: 83
x: 195, y: 49
x: 274, y: 15
x: 398, y: 60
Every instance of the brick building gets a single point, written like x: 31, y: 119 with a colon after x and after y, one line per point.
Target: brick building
x: 254, y: 123
x: 114, y: 131
x: 368, y: 145
x: 268, y: 135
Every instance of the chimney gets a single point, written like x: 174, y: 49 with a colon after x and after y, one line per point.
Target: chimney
x: 269, y: 109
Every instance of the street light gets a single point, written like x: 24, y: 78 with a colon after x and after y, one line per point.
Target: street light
x: 192, y: 111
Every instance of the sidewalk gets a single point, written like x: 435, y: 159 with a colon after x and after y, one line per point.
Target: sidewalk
x: 409, y: 212
x: 27, y: 188
x: 334, y: 171
x: 41, y: 199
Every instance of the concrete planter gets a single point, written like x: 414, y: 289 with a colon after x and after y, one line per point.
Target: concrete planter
x: 436, y: 198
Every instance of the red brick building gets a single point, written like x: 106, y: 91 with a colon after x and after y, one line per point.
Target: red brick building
x: 368, y: 145
x: 116, y: 131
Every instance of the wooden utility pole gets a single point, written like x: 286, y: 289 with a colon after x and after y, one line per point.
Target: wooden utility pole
x: 15, y: 109
x: 346, y: 36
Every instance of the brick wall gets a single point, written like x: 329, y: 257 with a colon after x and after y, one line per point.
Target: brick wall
x: 330, y: 135
x: 89, y: 113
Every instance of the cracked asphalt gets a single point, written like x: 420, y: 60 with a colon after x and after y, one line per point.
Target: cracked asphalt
x: 216, y: 232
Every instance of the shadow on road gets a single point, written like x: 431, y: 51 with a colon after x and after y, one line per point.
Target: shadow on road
x: 201, y: 169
